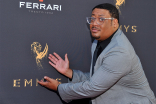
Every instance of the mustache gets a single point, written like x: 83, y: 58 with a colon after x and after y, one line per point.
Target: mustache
x: 94, y: 27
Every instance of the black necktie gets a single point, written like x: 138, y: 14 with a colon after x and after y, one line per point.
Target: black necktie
x: 96, y: 54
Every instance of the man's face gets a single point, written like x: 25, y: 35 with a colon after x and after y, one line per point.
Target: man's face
x: 105, y: 30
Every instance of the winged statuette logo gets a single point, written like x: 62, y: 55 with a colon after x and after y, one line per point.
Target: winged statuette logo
x: 119, y: 3
x: 36, y: 49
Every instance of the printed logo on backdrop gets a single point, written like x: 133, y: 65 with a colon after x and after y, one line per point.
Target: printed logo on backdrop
x: 119, y: 3
x: 28, y: 83
x: 40, y: 7
x: 127, y: 28
x: 36, y: 50
x: 39, y: 55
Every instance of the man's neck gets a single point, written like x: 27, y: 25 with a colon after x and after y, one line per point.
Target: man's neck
x: 109, y: 36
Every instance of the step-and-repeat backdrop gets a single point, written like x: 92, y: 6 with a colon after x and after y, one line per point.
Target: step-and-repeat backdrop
x: 32, y: 29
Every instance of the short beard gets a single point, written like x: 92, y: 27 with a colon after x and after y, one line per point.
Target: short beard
x: 96, y: 37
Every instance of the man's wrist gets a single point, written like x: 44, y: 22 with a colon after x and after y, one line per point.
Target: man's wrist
x: 69, y: 73
x: 72, y: 76
x: 57, y: 89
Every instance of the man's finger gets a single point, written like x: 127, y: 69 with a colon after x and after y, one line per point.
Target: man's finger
x: 48, y: 79
x: 53, y: 57
x: 57, y: 56
x: 66, y: 58
x: 54, y: 61
x: 52, y: 64
x: 50, y: 55
x: 42, y: 83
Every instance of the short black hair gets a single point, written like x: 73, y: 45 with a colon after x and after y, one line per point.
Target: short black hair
x: 111, y: 8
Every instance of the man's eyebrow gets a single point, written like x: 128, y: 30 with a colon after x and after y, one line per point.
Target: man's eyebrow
x: 99, y: 15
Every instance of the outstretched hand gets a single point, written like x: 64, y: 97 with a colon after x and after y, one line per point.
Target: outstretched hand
x: 60, y: 65
x: 50, y: 83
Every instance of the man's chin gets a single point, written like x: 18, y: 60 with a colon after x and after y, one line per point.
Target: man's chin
x: 95, y: 37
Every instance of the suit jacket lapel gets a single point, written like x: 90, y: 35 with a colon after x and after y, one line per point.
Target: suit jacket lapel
x: 110, y: 45
x: 94, y: 44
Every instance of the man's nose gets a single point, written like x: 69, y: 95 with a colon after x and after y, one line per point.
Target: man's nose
x: 95, y: 22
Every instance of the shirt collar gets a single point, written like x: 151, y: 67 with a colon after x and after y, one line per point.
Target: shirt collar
x: 104, y: 43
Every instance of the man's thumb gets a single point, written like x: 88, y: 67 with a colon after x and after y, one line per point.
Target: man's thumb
x: 47, y: 78
x: 66, y: 57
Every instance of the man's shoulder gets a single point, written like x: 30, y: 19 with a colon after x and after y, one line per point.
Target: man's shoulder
x: 120, y: 43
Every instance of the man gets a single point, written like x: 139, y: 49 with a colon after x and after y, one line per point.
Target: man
x: 116, y: 75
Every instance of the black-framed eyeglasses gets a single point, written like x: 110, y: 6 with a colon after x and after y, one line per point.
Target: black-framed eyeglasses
x: 99, y: 20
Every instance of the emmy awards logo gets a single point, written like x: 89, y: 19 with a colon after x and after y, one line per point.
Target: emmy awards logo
x: 36, y: 49
x: 119, y: 3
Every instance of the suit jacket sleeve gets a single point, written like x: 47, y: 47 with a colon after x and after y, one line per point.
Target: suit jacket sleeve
x: 116, y: 63
x: 79, y: 76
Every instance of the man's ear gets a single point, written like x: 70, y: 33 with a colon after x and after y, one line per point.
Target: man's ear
x: 115, y: 23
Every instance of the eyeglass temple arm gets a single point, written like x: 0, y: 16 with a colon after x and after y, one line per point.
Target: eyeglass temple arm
x: 109, y: 18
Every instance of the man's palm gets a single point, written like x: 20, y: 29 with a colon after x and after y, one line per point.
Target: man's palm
x: 59, y: 64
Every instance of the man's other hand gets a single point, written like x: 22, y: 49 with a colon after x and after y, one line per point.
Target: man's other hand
x: 50, y: 83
